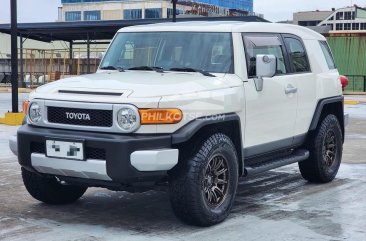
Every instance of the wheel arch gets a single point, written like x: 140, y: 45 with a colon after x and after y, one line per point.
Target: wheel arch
x: 197, y: 130
x: 333, y: 105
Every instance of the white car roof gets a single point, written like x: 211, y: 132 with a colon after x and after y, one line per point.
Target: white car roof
x: 227, y: 26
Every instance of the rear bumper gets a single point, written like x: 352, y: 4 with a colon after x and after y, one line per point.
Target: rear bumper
x: 126, y: 158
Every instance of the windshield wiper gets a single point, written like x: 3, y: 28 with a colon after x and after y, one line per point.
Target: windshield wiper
x: 185, y: 69
x: 148, y: 68
x: 111, y: 67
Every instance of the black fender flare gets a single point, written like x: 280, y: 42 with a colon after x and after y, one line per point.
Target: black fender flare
x: 188, y: 131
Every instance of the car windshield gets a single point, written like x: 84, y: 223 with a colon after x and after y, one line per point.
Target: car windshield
x: 211, y: 52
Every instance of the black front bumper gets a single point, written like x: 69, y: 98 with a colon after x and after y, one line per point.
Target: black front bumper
x: 117, y: 149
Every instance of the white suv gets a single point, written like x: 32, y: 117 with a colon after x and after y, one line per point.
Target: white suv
x: 193, y: 105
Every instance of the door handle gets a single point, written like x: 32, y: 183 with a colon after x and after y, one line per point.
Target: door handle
x: 290, y: 90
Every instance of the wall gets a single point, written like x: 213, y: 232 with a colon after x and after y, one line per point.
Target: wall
x: 350, y: 56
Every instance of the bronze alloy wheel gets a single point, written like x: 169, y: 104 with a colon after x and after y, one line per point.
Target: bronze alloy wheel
x: 329, y: 148
x: 216, y: 181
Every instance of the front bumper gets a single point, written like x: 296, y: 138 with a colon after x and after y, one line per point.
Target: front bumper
x: 127, y: 158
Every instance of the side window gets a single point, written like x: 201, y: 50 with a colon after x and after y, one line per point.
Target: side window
x: 297, y: 55
x: 255, y: 45
x: 327, y: 54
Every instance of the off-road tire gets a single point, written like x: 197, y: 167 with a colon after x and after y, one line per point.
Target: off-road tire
x: 316, y: 169
x: 49, y: 190
x: 188, y: 180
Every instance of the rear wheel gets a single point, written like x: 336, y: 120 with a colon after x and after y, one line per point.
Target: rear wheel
x: 50, y: 190
x: 203, y: 187
x: 326, y: 149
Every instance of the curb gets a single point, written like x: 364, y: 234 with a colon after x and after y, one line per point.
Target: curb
x: 20, y: 90
x: 12, y: 119
x: 351, y: 102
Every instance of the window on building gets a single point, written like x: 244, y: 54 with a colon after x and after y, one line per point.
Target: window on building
x: 347, y: 26
x: 339, y: 16
x: 255, y: 45
x: 363, y: 26
x: 331, y: 26
x: 297, y: 54
x: 331, y: 19
x: 348, y: 15
x: 153, y: 13
x: 92, y: 15
x: 355, y: 26
x: 339, y: 26
x: 327, y: 54
x: 132, y: 14
x: 73, y: 16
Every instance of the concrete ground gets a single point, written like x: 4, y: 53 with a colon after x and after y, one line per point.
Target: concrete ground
x: 278, y: 205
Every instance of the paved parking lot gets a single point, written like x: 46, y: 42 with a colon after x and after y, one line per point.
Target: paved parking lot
x: 278, y: 205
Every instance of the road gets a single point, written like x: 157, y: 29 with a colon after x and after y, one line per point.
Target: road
x: 278, y: 205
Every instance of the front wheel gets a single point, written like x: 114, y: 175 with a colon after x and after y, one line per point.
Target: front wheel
x: 326, y: 149
x: 203, y: 187
x: 50, y: 190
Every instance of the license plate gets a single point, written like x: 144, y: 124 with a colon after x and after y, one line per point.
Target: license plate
x: 65, y: 149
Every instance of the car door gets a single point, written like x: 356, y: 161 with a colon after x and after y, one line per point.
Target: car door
x: 271, y: 112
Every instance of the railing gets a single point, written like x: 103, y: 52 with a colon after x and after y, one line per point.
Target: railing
x: 357, y: 83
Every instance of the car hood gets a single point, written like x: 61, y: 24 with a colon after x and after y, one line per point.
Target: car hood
x: 134, y: 84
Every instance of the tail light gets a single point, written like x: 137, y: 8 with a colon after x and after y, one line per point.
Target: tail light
x: 344, y: 81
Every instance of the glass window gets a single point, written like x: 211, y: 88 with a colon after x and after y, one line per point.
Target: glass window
x: 211, y: 52
x: 255, y: 45
x: 132, y: 14
x: 73, y: 16
x: 348, y: 15
x: 355, y: 26
x: 363, y: 26
x: 327, y: 54
x: 91, y: 15
x: 297, y: 54
x: 339, y: 26
x: 347, y: 26
x: 153, y: 13
x: 339, y: 16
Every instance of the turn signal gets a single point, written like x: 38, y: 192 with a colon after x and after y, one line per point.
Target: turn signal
x: 25, y: 105
x: 160, y: 116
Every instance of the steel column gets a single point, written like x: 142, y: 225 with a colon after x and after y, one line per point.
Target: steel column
x: 71, y: 57
x: 88, y: 54
x: 14, y: 55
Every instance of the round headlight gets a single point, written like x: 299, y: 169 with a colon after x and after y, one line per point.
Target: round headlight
x: 35, y: 112
x: 128, y: 119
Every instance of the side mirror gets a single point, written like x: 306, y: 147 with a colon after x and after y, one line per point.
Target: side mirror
x: 266, y: 67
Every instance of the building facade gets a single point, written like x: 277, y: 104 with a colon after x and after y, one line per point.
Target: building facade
x: 344, y: 20
x: 93, y: 10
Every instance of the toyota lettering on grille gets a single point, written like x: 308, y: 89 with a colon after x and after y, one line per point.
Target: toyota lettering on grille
x: 77, y: 116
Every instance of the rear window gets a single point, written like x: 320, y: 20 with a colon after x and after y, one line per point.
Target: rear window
x: 327, y: 54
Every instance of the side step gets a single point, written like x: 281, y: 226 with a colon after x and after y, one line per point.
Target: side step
x: 297, y: 156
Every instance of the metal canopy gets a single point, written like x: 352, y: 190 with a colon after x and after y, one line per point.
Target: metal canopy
x: 97, y: 30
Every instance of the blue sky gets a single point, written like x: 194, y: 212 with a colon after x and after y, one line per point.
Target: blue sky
x: 273, y: 10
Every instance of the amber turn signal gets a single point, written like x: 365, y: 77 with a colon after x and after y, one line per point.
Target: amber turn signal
x: 25, y: 105
x: 160, y: 116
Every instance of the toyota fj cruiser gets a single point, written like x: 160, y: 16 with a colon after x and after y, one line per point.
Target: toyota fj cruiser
x: 194, y: 105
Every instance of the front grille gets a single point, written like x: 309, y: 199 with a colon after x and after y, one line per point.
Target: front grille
x: 100, y: 118
x: 95, y: 153
x: 38, y: 147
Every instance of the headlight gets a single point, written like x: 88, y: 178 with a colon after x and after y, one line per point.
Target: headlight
x: 35, y: 112
x: 128, y: 119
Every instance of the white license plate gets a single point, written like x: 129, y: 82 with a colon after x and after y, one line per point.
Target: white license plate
x: 65, y: 149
